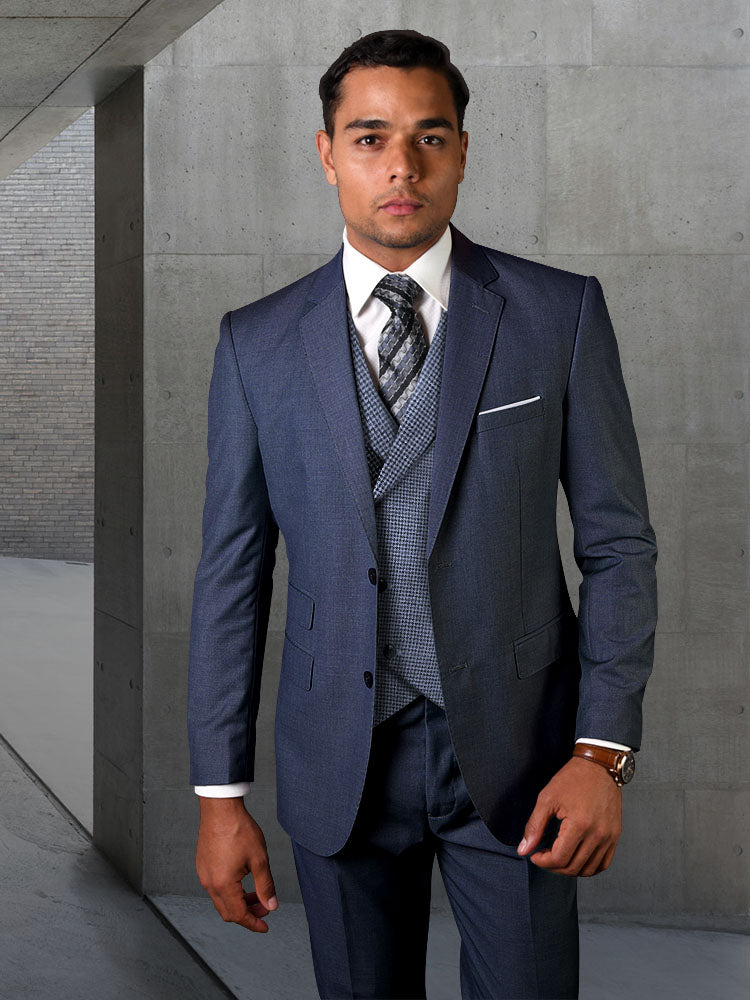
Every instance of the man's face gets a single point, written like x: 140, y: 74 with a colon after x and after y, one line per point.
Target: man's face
x: 396, y: 158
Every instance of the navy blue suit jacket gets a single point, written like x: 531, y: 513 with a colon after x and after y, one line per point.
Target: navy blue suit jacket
x: 522, y: 675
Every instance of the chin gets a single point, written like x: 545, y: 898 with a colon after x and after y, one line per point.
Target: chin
x: 395, y: 240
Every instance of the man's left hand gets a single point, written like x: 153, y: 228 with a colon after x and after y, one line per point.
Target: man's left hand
x: 585, y: 798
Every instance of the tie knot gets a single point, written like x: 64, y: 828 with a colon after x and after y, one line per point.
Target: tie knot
x: 396, y: 290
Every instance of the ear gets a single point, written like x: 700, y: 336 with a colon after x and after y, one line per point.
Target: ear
x: 323, y: 142
x: 464, y: 147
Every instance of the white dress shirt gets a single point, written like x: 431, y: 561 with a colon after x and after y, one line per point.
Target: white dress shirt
x: 432, y: 272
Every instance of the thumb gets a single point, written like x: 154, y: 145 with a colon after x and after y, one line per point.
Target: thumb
x: 535, y: 827
x: 264, y: 887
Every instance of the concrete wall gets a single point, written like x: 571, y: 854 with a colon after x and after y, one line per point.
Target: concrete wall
x: 605, y: 138
x: 47, y: 350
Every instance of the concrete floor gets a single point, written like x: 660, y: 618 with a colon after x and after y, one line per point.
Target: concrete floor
x: 618, y: 962
x: 71, y: 928
x: 46, y: 673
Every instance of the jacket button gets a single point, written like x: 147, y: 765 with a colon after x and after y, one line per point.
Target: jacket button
x: 382, y: 584
x: 368, y: 678
x: 372, y: 573
x: 389, y: 651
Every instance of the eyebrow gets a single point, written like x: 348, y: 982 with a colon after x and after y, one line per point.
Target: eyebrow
x: 379, y: 123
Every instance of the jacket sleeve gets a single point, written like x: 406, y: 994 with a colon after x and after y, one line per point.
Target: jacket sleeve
x: 613, y: 542
x: 233, y: 585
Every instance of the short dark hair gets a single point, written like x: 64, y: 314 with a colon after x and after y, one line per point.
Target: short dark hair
x: 400, y: 48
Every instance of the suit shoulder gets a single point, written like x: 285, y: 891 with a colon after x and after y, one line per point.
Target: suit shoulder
x: 537, y: 275
x: 277, y: 307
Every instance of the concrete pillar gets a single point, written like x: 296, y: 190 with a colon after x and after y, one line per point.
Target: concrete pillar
x: 158, y: 307
x: 118, y: 491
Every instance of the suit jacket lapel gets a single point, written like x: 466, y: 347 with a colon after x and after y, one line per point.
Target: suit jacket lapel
x: 326, y: 341
x: 474, y: 313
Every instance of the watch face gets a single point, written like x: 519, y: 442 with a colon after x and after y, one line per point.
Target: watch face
x: 627, y: 768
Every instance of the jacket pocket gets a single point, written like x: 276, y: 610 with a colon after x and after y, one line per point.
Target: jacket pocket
x: 509, y: 415
x: 299, y: 606
x: 296, y: 664
x: 546, y: 644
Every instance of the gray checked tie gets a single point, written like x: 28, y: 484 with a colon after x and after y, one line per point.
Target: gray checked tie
x: 402, y: 346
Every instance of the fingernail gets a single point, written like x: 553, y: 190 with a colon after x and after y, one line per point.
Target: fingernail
x: 522, y: 845
x: 273, y: 903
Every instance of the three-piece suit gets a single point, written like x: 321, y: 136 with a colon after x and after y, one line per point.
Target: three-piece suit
x: 426, y: 592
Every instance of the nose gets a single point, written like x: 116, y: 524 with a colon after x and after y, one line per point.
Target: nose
x: 403, y: 164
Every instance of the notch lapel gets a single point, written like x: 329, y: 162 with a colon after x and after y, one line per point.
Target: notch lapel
x: 325, y: 336
x: 474, y: 313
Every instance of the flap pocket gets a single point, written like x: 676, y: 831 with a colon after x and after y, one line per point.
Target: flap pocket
x: 544, y: 645
x: 509, y: 414
x: 296, y: 663
x: 299, y: 606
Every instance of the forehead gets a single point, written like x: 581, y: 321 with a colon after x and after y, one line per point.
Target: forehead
x: 394, y: 94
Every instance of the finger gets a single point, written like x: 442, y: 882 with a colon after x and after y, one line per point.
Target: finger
x: 246, y: 919
x: 535, y: 826
x: 607, y: 860
x: 263, y: 881
x: 230, y: 901
x: 563, y: 849
x: 567, y: 864
x: 255, y: 905
x: 592, y: 866
x: 581, y: 858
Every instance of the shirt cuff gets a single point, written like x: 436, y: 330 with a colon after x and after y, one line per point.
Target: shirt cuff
x: 603, y: 743
x: 228, y: 791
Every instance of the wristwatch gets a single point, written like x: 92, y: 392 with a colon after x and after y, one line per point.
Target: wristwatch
x: 619, y: 763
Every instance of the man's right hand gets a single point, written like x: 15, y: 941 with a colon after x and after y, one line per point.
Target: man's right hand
x: 230, y: 846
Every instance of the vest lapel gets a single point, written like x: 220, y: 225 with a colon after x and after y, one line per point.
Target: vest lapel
x: 417, y: 428
x: 395, y: 447
x: 378, y: 422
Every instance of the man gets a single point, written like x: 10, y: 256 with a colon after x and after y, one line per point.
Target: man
x: 403, y: 415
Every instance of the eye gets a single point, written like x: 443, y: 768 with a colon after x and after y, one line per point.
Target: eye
x: 434, y: 140
x: 363, y: 140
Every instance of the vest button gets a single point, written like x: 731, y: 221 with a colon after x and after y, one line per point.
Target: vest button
x: 368, y: 678
x: 372, y: 574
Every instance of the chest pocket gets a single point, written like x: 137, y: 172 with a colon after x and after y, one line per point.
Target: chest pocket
x: 491, y: 418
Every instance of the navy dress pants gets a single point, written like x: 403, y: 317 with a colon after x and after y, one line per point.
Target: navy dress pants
x: 368, y: 905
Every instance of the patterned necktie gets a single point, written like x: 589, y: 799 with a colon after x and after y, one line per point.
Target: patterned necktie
x: 402, y: 346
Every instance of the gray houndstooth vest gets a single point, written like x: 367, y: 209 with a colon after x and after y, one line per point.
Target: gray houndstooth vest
x: 399, y: 457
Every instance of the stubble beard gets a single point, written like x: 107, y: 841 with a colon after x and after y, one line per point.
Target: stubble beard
x: 377, y: 234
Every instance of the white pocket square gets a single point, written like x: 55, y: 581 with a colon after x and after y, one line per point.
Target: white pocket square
x: 507, y: 406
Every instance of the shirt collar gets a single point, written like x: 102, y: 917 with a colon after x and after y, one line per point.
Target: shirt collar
x: 432, y: 271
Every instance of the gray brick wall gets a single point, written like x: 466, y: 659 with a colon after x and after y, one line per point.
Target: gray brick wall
x: 47, y: 350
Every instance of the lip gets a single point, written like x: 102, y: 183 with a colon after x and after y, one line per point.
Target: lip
x: 401, y: 206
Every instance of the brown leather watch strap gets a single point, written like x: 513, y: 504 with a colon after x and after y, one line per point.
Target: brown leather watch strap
x: 612, y: 759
